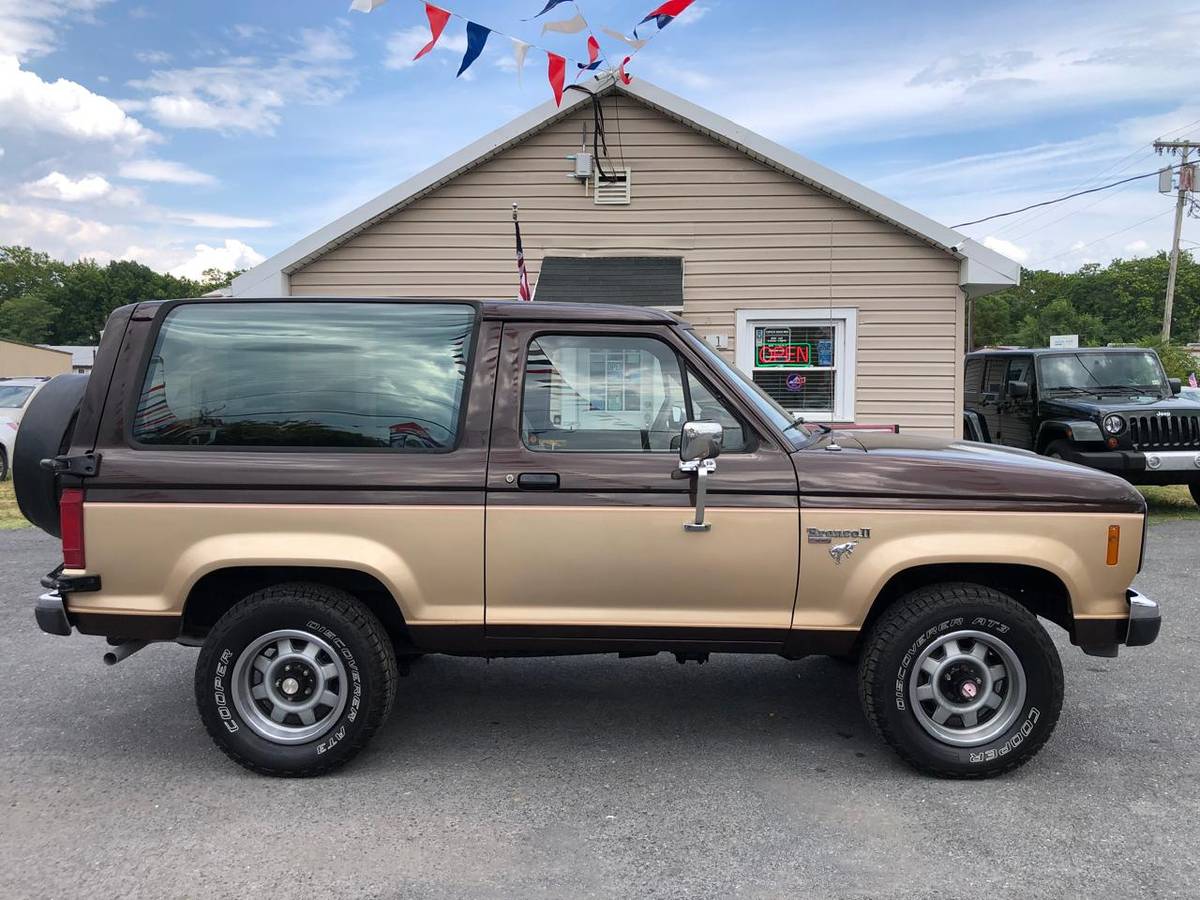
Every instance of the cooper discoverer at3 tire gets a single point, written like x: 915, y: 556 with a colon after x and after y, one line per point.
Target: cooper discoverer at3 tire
x: 295, y: 679
x: 961, y: 680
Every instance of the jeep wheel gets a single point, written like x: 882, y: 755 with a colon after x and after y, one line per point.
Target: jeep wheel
x: 295, y: 679
x: 3, y: 464
x: 1055, y: 450
x: 961, y: 681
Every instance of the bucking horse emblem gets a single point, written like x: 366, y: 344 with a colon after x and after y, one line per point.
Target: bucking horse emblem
x: 841, y: 551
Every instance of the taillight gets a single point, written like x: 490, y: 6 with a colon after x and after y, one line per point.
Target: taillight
x: 70, y: 521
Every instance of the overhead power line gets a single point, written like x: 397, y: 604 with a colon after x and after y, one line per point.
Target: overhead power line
x: 1103, y: 187
x: 1075, y: 248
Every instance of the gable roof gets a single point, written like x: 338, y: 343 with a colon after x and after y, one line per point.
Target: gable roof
x: 982, y: 271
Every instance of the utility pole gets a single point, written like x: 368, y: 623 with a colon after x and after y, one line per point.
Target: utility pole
x: 1186, y: 184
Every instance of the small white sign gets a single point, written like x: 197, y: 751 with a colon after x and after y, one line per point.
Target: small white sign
x: 1064, y: 341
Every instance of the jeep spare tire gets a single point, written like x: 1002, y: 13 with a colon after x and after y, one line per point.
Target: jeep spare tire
x: 45, y: 432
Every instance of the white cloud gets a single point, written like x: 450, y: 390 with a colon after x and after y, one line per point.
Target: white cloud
x: 61, y: 107
x: 48, y: 229
x: 403, y: 45
x: 216, y: 220
x: 246, y: 93
x: 27, y: 28
x: 1007, y: 248
x: 228, y: 257
x: 1137, y: 248
x: 245, y: 31
x: 57, y: 186
x: 692, y: 15
x: 152, y: 57
x: 163, y: 170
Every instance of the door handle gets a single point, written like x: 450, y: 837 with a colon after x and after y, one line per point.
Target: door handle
x: 538, y: 481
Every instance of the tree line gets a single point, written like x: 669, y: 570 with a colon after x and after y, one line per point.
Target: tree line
x: 46, y: 301
x: 1121, y: 303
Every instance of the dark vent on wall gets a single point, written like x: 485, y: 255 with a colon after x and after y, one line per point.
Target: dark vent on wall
x: 631, y: 280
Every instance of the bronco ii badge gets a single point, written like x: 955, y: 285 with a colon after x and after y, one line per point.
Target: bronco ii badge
x: 825, y: 536
x: 841, y: 551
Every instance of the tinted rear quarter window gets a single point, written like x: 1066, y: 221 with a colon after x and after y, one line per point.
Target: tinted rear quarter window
x: 318, y: 375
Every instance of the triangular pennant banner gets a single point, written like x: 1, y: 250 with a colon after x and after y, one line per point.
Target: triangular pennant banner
x: 593, y: 62
x: 664, y: 13
x: 556, y: 71
x: 625, y: 79
x: 437, y: 24
x: 477, y: 36
x: 549, y: 6
x: 636, y: 44
x: 520, y: 48
x: 573, y: 25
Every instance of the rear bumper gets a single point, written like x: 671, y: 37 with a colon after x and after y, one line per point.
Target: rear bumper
x: 1102, y: 637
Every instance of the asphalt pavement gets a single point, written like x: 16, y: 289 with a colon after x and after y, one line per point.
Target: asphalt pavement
x: 594, y: 777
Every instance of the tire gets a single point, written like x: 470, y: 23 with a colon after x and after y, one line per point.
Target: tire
x: 352, y: 664
x: 1195, y: 491
x: 1018, y: 692
x: 3, y: 464
x: 46, y: 430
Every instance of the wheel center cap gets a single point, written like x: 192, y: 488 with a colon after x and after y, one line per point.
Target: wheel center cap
x: 290, y: 686
x: 968, y: 690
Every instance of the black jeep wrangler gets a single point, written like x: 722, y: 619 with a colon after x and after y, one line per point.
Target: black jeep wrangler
x: 1108, y: 408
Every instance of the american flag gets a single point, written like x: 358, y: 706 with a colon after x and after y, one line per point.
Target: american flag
x: 523, y: 287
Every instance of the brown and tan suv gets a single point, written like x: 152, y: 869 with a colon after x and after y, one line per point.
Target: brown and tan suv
x: 316, y: 490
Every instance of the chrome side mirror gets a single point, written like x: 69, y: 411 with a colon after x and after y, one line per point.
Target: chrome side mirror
x: 699, y: 441
x: 699, y: 447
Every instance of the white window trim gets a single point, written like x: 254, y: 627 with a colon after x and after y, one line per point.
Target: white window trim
x: 847, y: 316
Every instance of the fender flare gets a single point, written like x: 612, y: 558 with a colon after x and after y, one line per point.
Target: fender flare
x: 1075, y: 430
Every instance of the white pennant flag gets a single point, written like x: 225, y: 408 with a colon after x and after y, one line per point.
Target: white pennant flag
x: 566, y: 26
x: 635, y: 43
x: 519, y: 49
x: 365, y: 6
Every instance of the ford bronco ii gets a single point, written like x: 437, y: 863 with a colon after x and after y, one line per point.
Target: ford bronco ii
x: 1109, y: 408
x: 315, y: 490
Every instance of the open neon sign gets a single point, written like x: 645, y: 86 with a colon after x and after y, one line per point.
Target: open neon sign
x: 785, y: 355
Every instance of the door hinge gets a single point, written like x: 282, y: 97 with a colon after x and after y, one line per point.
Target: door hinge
x: 84, y: 465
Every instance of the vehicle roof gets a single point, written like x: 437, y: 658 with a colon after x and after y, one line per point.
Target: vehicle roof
x: 508, y: 310
x: 1046, y: 351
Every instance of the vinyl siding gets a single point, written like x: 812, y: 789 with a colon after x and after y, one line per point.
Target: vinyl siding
x: 22, y: 360
x: 750, y: 237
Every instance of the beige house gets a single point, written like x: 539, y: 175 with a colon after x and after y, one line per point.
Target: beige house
x: 19, y: 360
x: 842, y: 304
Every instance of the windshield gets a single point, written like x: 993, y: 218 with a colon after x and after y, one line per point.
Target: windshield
x: 14, y: 396
x: 752, y: 393
x: 1100, y: 372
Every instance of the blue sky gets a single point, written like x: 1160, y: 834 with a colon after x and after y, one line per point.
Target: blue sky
x: 192, y: 134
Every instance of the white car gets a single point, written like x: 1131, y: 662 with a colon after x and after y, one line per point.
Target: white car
x: 15, y: 394
x: 8, y: 437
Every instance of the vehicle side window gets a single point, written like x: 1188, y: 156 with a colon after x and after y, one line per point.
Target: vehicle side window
x: 329, y: 375
x: 993, y: 382
x: 586, y: 392
x: 707, y: 408
x: 973, y: 374
x: 1018, y: 370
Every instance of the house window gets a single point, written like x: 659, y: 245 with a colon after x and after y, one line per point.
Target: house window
x: 802, y: 358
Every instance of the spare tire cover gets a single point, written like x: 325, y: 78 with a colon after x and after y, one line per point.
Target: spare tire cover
x: 45, y: 432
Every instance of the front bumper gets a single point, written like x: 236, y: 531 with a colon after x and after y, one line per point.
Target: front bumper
x: 1102, y: 637
x: 1148, y: 466
x: 1144, y: 620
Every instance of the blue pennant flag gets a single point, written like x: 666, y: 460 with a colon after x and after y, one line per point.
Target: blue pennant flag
x: 549, y: 6
x: 477, y: 36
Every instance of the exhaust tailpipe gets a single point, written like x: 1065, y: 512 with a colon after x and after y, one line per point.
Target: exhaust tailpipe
x: 122, y: 650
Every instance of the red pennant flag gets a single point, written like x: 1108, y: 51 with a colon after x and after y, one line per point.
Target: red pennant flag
x: 437, y: 24
x: 556, y: 71
x: 625, y: 79
x: 593, y: 49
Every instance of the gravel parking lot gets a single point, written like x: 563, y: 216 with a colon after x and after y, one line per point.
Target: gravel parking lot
x: 593, y: 776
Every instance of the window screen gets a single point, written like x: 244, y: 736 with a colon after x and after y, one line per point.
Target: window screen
x: 378, y: 375
x: 630, y: 280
